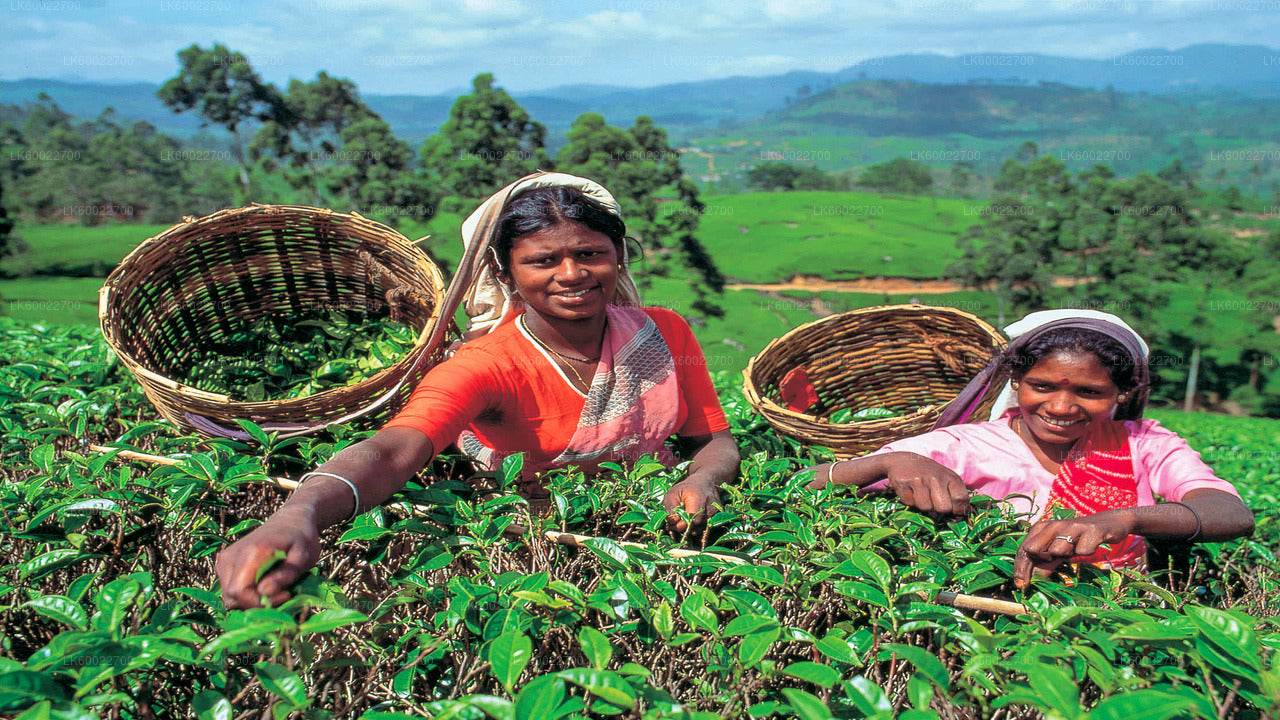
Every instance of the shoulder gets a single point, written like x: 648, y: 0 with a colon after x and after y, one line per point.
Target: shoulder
x: 1146, y: 430
x: 494, y: 351
x: 665, y: 316
x: 669, y: 322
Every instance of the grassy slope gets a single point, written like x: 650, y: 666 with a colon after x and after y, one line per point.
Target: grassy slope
x: 770, y: 237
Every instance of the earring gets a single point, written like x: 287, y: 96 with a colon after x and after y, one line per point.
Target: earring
x: 1122, y: 397
x: 1014, y: 384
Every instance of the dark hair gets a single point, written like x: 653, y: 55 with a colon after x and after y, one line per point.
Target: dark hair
x: 1108, y: 350
x: 546, y: 207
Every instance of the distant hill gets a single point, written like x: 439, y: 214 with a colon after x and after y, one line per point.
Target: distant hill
x: 1228, y: 136
x: 693, y: 106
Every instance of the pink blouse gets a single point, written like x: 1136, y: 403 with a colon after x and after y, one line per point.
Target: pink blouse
x: 994, y: 461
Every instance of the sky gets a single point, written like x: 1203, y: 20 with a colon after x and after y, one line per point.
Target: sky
x: 429, y: 47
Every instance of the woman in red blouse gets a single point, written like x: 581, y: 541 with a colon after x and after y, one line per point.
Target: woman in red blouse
x: 563, y: 367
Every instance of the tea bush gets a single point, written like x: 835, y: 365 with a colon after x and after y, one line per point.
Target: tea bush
x: 450, y: 602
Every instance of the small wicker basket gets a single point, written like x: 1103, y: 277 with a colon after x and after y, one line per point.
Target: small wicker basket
x: 912, y: 359
x: 185, y: 289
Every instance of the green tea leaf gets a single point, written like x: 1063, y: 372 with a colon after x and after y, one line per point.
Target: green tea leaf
x: 806, y: 705
x: 210, y: 705
x: 508, y: 655
x: 816, y: 673
x: 62, y: 609
x: 282, y: 682
x: 596, y: 646
x: 327, y: 620
x: 607, y: 686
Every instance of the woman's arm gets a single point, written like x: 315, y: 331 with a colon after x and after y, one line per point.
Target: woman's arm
x: 715, y: 460
x: 378, y: 467
x: 1221, y: 516
x: 918, y: 481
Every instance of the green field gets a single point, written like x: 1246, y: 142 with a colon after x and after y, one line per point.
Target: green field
x: 770, y: 237
x: 75, y: 250
x: 59, y: 300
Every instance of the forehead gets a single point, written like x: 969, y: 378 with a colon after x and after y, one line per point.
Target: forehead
x: 562, y: 235
x: 1077, y: 368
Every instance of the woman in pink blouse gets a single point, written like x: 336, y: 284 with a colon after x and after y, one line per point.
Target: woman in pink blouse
x: 1066, y: 432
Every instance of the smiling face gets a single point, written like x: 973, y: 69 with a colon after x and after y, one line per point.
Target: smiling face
x: 1062, y: 393
x: 565, y: 272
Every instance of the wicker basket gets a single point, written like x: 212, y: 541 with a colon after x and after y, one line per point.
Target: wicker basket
x: 185, y: 289
x: 912, y: 359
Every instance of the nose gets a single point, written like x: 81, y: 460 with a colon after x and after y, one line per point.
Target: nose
x: 570, y: 270
x: 1060, y: 404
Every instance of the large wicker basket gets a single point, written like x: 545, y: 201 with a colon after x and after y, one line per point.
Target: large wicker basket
x: 912, y: 359
x: 183, y: 290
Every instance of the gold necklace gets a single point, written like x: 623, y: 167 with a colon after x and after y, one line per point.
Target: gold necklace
x: 581, y: 380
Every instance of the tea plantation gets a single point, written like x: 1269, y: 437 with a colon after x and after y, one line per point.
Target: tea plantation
x: 449, y: 605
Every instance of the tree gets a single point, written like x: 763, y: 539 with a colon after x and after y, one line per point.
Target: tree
x: 487, y: 142
x: 962, y: 173
x: 224, y: 89
x: 660, y: 205
x: 772, y: 175
x: 303, y: 139
x: 898, y: 175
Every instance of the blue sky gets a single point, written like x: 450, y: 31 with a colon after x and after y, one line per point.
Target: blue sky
x: 437, y: 46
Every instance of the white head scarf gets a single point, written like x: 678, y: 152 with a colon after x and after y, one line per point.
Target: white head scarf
x: 489, y: 300
x: 1007, y: 399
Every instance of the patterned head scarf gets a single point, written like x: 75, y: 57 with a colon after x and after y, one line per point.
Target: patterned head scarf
x: 490, y: 301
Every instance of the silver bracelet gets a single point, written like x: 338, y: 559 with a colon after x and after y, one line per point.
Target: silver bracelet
x: 354, y: 510
x: 831, y: 469
x: 1199, y: 524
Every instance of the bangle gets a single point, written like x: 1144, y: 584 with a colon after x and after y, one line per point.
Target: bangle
x: 831, y: 469
x: 354, y: 510
x: 1199, y: 524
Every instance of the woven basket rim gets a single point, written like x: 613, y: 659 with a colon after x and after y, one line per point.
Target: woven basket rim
x: 814, y: 430
x: 179, y: 234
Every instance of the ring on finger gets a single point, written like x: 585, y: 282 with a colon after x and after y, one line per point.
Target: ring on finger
x: 1067, y: 538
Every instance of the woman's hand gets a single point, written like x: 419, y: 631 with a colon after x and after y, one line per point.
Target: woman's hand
x: 714, y: 461
x: 919, y: 482
x: 927, y: 486
x: 1053, y: 542
x: 696, y: 496
x: 291, y: 531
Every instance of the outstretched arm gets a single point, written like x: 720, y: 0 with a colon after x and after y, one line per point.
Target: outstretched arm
x: 715, y: 460
x: 1051, y: 542
x: 918, y: 481
x: 378, y: 467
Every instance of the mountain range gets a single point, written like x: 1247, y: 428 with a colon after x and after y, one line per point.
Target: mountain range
x: 1245, y: 70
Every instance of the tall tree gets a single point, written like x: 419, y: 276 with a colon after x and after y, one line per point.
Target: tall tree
x: 304, y: 137
x: 661, y: 206
x: 487, y: 142
x: 223, y: 88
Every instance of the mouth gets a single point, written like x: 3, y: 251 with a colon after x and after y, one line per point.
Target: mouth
x: 1059, y: 423
x: 576, y: 293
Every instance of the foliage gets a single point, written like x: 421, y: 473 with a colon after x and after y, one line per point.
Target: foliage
x: 487, y: 142
x: 109, y: 609
x: 642, y: 171
x: 898, y: 175
x: 773, y: 175
x: 292, y: 356
x: 95, y: 172
x: 326, y: 141
x: 1136, y: 247
x: 224, y: 89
